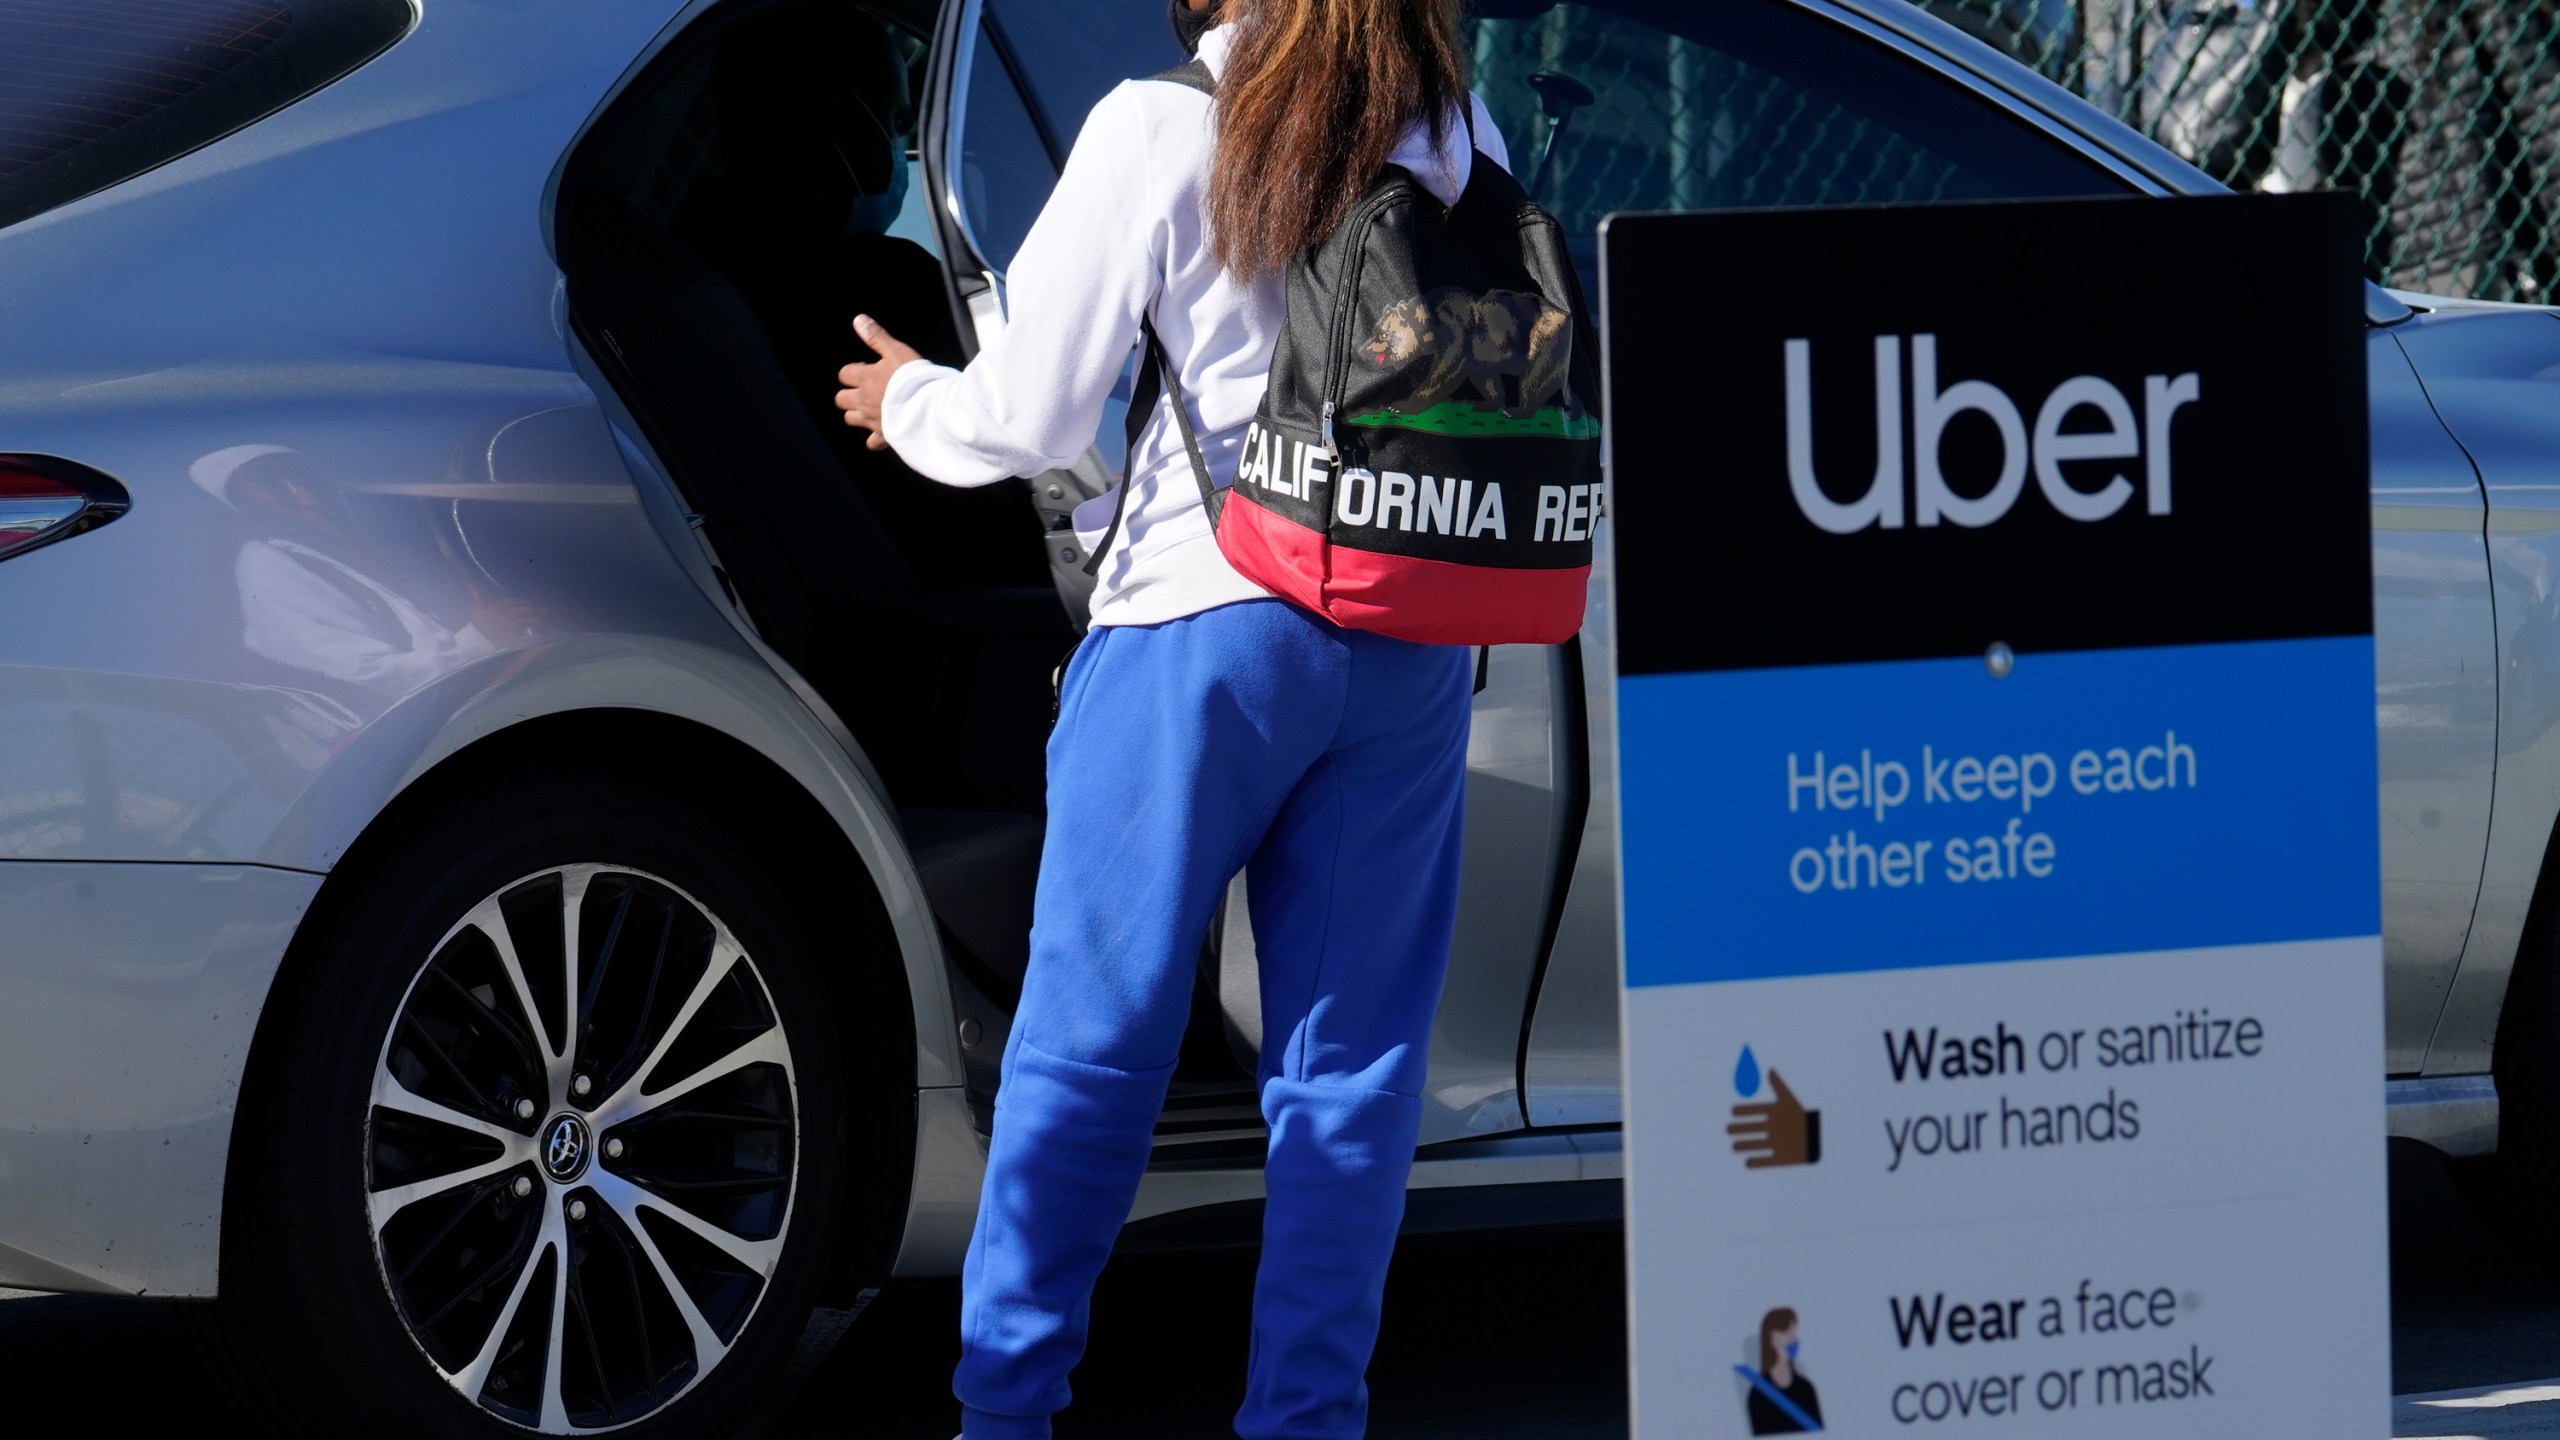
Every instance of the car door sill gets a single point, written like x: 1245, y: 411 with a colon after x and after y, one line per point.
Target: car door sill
x: 1232, y: 1171
x: 2457, y: 1114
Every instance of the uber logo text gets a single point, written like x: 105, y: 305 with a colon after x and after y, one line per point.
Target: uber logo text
x: 1932, y: 409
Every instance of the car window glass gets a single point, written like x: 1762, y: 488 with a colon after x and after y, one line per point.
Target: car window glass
x: 91, y: 93
x: 915, y: 209
x: 1036, y: 69
x: 1005, y: 170
x: 915, y: 215
x: 1742, y: 104
x: 1072, y: 52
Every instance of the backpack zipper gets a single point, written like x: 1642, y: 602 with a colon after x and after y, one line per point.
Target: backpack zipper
x: 1337, y: 356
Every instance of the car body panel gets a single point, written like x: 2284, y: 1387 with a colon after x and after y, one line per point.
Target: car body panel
x: 250, y: 729
x: 1569, y: 1065
x: 1515, y: 1157
x: 164, y: 331
x: 2493, y: 373
x: 2436, y: 706
x: 1523, y: 785
x: 128, y: 995
x: 942, y: 1200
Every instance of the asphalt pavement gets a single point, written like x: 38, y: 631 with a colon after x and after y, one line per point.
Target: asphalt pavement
x: 1488, y: 1337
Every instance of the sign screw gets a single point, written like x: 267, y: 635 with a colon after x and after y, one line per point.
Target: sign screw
x: 1999, y: 660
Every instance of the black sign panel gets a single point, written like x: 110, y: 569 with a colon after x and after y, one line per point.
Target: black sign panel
x: 2058, y: 425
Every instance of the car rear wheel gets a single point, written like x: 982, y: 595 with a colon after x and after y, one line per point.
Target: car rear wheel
x: 544, y: 1136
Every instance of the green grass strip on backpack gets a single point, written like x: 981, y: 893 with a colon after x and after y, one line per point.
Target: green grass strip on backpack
x: 1460, y: 418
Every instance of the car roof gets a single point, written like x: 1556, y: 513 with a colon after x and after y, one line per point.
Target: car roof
x: 2002, y: 72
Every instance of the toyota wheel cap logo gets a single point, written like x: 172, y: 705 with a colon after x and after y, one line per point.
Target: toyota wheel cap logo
x: 564, y: 1148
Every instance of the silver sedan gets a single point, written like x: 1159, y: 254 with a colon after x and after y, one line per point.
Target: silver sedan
x: 517, y: 833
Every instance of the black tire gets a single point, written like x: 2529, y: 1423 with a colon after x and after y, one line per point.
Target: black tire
x: 330, y: 1341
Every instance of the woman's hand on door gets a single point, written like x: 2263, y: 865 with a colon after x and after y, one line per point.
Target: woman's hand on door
x: 867, y: 383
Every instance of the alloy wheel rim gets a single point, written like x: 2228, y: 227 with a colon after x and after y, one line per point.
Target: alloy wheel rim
x: 582, y: 1149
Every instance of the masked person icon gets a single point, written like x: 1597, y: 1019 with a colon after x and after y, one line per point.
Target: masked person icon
x: 1781, y: 1400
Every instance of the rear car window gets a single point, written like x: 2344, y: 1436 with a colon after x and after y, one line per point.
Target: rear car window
x: 1633, y: 105
x: 1071, y: 52
x: 96, y: 91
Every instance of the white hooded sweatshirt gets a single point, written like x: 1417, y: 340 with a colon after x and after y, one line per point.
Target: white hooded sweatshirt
x: 1122, y: 237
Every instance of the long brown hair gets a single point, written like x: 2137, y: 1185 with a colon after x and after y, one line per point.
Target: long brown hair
x: 1772, y: 1325
x: 1313, y: 97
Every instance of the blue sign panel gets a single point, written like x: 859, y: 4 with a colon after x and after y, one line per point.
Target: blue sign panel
x: 1916, y: 812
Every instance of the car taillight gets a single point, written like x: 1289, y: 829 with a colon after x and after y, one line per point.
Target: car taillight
x: 44, y: 499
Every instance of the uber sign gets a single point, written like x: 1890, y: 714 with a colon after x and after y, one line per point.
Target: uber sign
x: 1932, y: 409
x: 1993, y: 604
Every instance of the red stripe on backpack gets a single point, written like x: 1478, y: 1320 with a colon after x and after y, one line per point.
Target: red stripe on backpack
x: 1432, y: 602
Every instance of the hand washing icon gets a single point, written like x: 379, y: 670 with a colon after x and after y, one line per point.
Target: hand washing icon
x: 1773, y: 1132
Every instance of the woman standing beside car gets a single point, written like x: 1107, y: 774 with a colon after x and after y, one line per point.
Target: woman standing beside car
x: 1206, y: 726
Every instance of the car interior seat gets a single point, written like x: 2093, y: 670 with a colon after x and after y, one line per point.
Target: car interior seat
x: 922, y: 613
x: 812, y: 110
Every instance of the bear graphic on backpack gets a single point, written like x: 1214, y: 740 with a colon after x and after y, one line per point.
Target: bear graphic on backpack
x: 1486, y: 340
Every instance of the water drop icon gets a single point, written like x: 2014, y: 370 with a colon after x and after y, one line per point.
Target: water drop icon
x: 1746, y: 1074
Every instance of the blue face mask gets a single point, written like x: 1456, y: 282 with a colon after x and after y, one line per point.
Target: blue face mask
x: 1791, y: 1350
x: 874, y: 214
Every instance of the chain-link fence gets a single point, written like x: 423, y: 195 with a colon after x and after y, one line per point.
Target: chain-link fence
x: 2444, y: 114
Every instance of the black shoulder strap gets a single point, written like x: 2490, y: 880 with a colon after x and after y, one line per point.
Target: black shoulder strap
x: 1195, y: 75
x: 1156, y: 378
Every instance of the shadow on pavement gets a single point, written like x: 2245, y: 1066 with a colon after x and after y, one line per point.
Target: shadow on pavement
x: 1487, y: 1337
x: 1491, y: 1338
x: 154, y: 1364
x: 2469, y: 1306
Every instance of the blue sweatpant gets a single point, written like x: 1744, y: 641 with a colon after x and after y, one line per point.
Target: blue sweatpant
x: 1330, y: 766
